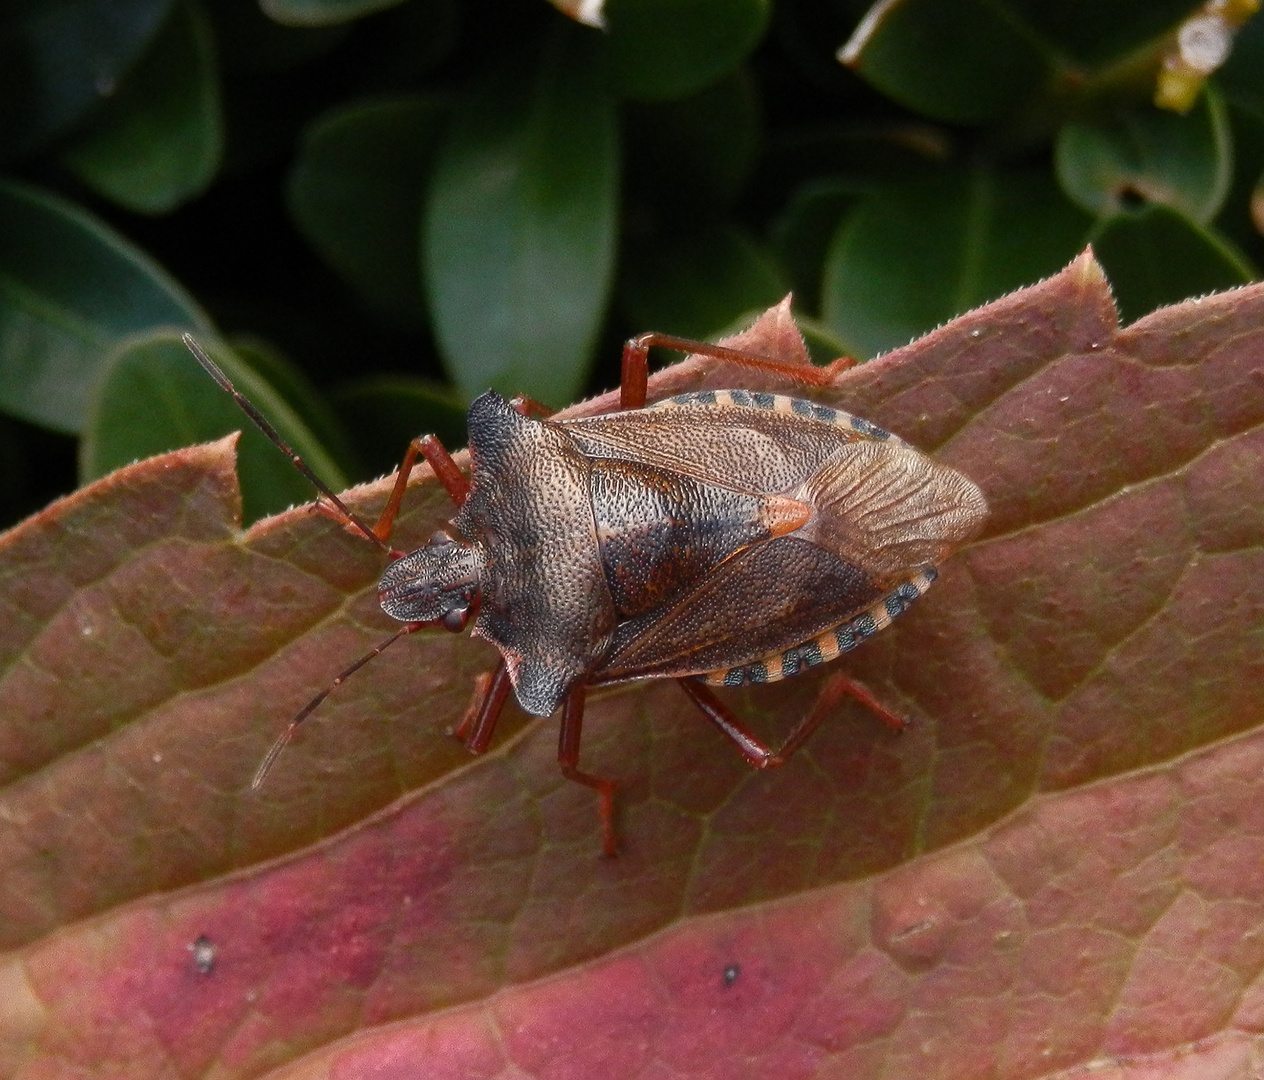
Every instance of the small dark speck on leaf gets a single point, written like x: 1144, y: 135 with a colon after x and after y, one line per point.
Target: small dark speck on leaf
x: 203, y: 951
x: 731, y: 972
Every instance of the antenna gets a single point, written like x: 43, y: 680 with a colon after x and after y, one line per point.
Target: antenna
x: 261, y: 422
x: 265, y: 766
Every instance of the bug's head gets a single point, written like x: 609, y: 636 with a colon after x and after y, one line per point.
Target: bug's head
x: 436, y: 583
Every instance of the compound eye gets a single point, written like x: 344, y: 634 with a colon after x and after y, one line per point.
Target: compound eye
x: 454, y: 619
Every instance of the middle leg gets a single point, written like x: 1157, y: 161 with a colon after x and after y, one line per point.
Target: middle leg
x: 568, y: 759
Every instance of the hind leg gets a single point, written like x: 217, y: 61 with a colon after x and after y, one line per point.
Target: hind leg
x: 759, y: 754
x: 635, y: 373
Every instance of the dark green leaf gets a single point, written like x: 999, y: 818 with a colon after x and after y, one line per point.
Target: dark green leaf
x: 321, y: 12
x: 518, y: 236
x: 1097, y: 33
x: 662, y: 49
x: 862, y: 158
x: 1242, y: 76
x: 1235, y: 220
x: 1149, y: 154
x: 60, y: 58
x: 801, y: 235
x: 158, y: 141
x: 965, y: 61
x: 696, y: 283
x: 1257, y: 204
x: 311, y: 408
x: 822, y: 343
x: 355, y: 194
x: 696, y: 150
x: 909, y: 258
x: 154, y: 397
x: 1159, y: 256
x: 70, y: 290
x: 386, y: 412
x: 972, y: 61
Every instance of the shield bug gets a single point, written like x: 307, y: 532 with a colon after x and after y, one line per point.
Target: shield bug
x: 716, y: 537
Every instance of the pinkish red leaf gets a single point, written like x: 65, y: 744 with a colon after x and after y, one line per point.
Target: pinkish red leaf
x: 1060, y: 864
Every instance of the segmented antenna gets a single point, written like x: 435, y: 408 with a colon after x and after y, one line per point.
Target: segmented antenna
x: 261, y: 422
x: 265, y: 766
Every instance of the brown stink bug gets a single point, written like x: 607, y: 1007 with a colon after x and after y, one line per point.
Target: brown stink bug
x: 716, y: 537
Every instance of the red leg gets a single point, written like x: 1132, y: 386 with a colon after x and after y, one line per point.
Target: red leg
x: 445, y: 469
x: 529, y: 407
x: 835, y: 688
x: 635, y: 371
x: 452, y: 479
x: 490, y: 694
x: 568, y: 759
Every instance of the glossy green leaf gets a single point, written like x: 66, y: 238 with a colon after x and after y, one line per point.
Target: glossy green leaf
x: 1160, y: 256
x: 309, y: 405
x: 1257, y: 204
x: 695, y: 150
x: 662, y: 49
x: 698, y: 282
x: 70, y: 289
x: 322, y: 12
x: 386, y: 412
x: 965, y: 61
x: 158, y: 142
x: 1152, y: 155
x: 822, y: 343
x: 802, y: 233
x: 1096, y: 33
x: 518, y: 233
x: 909, y: 258
x: 61, y: 58
x: 355, y: 193
x: 973, y: 61
x: 1242, y: 76
x: 1235, y: 220
x: 154, y: 397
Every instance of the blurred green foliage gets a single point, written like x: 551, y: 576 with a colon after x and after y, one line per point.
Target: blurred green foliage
x: 403, y: 203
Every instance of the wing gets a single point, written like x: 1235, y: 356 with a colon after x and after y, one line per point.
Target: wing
x: 882, y: 513
x: 890, y: 509
x: 755, y: 442
x: 765, y: 599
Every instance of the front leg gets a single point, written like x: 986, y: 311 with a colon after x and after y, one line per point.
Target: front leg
x: 491, y: 691
x: 568, y: 759
x: 445, y: 469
